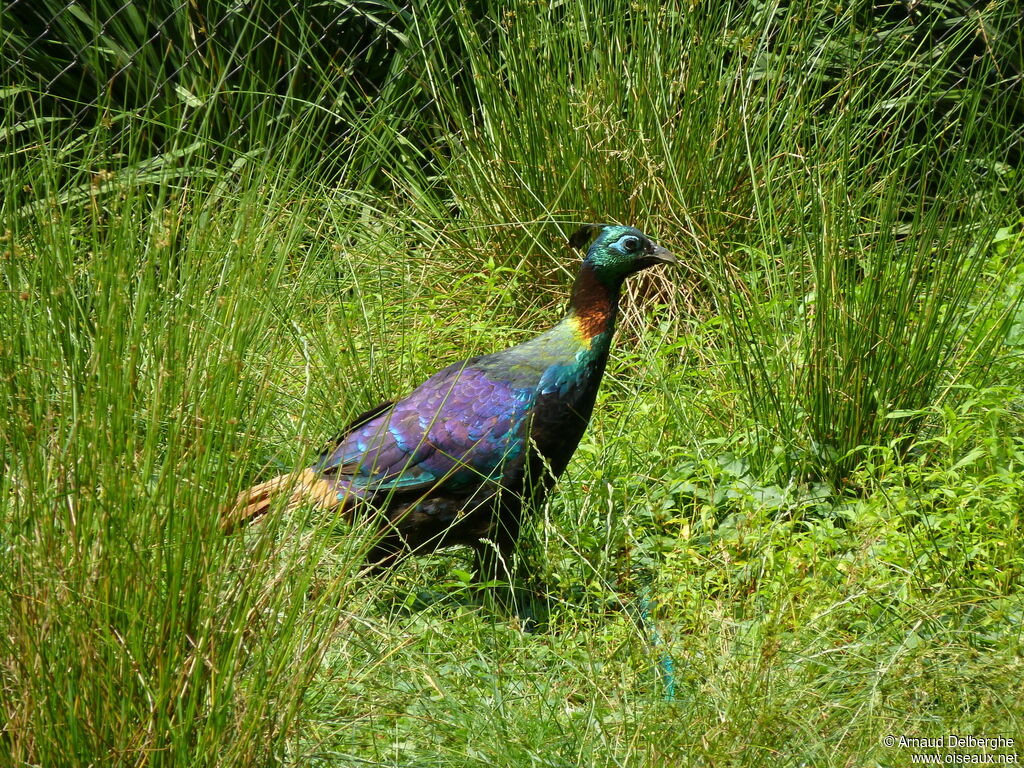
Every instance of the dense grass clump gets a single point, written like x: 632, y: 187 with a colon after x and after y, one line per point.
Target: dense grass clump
x: 223, y: 233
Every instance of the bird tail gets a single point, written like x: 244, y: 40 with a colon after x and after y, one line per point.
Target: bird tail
x: 301, y: 487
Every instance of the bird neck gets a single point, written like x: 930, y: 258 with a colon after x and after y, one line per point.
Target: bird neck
x: 594, y: 304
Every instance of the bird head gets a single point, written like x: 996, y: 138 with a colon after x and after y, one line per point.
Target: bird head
x: 616, y: 252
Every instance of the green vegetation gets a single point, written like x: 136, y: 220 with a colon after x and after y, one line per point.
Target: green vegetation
x: 224, y: 232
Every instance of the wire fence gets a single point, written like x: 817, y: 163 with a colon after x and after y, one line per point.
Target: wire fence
x: 233, y: 63
x: 243, y: 68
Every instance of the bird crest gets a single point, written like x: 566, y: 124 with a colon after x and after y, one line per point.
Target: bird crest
x: 584, y: 236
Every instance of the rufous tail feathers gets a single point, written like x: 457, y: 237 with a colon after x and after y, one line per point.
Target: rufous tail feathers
x: 302, y: 486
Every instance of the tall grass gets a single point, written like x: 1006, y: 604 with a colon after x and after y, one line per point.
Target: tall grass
x: 833, y: 187
x: 142, y: 362
x: 870, y: 294
x: 235, y: 71
x: 876, y: 307
x: 215, y: 252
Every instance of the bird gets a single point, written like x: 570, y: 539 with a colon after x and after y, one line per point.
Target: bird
x: 464, y: 456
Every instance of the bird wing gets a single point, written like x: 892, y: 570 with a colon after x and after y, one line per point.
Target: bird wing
x: 461, y: 427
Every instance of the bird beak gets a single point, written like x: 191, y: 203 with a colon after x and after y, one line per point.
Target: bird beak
x: 662, y: 255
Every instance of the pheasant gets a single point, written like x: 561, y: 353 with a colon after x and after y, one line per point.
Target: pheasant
x: 461, y: 458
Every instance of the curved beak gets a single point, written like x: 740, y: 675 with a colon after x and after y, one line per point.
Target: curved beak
x: 662, y: 255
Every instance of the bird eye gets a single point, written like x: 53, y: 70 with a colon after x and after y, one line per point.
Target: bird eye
x: 630, y: 243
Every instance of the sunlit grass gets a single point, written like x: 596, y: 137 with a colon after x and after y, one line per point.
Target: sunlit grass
x: 806, y: 452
